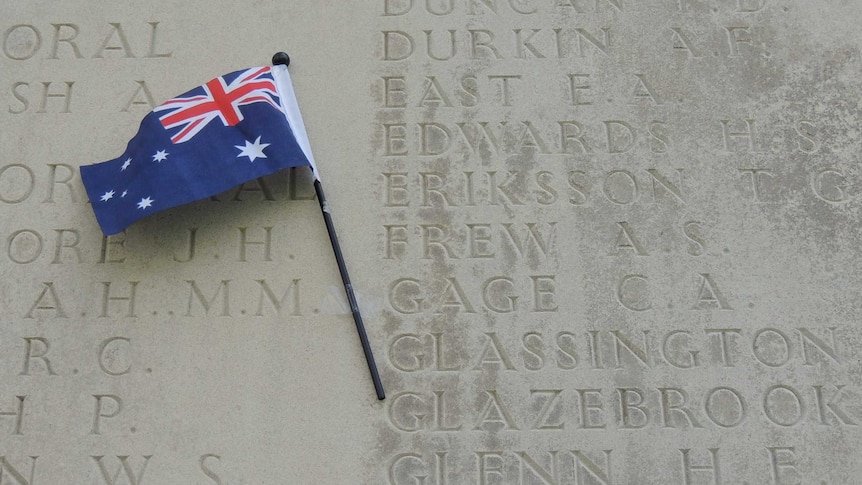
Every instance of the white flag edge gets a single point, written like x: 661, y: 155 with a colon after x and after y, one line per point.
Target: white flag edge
x: 291, y: 111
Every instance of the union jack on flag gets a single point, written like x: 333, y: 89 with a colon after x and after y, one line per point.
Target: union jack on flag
x: 219, y: 99
x: 180, y: 154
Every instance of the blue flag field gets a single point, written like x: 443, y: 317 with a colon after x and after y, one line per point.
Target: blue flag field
x: 234, y: 128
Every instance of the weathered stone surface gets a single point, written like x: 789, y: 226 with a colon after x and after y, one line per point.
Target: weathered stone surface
x: 595, y: 242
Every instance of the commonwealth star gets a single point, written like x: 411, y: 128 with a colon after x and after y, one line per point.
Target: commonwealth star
x: 252, y: 150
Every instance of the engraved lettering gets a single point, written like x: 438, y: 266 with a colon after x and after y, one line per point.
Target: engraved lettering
x: 807, y: 131
x: 677, y: 408
x: 548, y: 477
x: 713, y: 468
x: 735, y: 36
x: 603, y: 45
x: 206, y: 470
x: 641, y: 354
x: 584, y: 465
x: 408, y: 412
x: 116, y: 30
x: 544, y: 296
x: 112, y: 359
x: 681, y: 42
x: 620, y: 135
x: 65, y: 181
x: 498, y: 295
x: 783, y: 405
x: 832, y: 406
x: 670, y: 339
x: 109, y: 411
x: 195, y: 293
x: 18, y: 413
x: 540, y: 244
x: 17, y: 89
x: 659, y: 180
x: 592, y: 410
x: 453, y: 49
x: 124, y: 467
x: 725, y: 407
x: 486, y: 468
x: 550, y: 407
x: 67, y: 243
x: 643, y: 91
x: 24, y: 246
x: 153, y: 50
x: 633, y: 293
x: 632, y: 413
x: 411, y: 345
x: 17, y: 182
x: 505, y: 93
x: 809, y: 339
x: 21, y: 42
x: 108, y: 243
x: 439, y: 353
x: 47, y: 94
x: 709, y: 296
x: 394, y: 94
x: 396, y: 240
x: 828, y: 184
x: 191, y: 252
x: 697, y: 245
x: 484, y: 39
x: 479, y: 237
x: 440, y: 414
x: 404, y: 296
x: 579, y: 86
x: 573, y: 131
x: 756, y: 181
x: 396, y: 190
x: 433, y: 183
x: 279, y: 303
x: 495, y: 414
x: 142, y: 97
x: 107, y: 298
x: 783, y: 461
x: 71, y: 32
x: 748, y: 6
x: 37, y: 348
x: 397, y: 470
x: 749, y: 134
x: 771, y: 347
x: 493, y: 353
x: 397, y: 45
x: 620, y: 187
x: 454, y: 298
x: 483, y: 137
x: 435, y: 138
x: 627, y: 240
x: 395, y: 139
x: 13, y: 472
x: 265, y: 244
x: 262, y: 188
x: 47, y: 300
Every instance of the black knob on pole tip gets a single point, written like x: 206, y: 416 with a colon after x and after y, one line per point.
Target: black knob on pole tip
x: 281, y: 58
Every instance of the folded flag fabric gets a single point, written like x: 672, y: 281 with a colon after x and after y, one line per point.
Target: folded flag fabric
x: 236, y: 127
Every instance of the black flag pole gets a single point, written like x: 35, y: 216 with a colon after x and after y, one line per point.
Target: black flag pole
x: 282, y: 58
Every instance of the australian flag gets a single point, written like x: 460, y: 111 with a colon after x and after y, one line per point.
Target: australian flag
x: 237, y: 127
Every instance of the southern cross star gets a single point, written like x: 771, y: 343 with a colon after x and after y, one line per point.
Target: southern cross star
x: 107, y: 196
x: 126, y: 165
x: 160, y: 155
x: 252, y: 150
x: 145, y: 202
